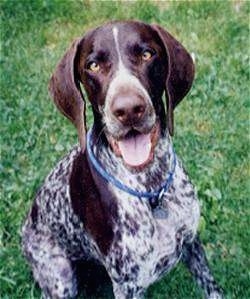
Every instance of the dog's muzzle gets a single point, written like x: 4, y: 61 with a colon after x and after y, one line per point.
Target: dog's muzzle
x: 130, y: 121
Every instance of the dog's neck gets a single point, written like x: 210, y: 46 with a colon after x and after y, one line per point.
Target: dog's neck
x: 152, y: 175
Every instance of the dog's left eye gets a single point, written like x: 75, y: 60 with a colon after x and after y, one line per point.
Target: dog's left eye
x: 94, y: 67
x: 146, y: 55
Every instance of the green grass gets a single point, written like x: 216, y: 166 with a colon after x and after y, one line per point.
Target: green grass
x: 212, y: 125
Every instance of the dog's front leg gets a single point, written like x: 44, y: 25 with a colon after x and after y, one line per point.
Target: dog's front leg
x: 127, y: 291
x: 195, y: 259
x: 51, y: 268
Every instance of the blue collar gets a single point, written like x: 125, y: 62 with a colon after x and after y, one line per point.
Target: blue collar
x: 154, y: 196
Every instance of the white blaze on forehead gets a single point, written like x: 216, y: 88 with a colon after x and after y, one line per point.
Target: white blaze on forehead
x: 115, y: 34
x: 123, y: 76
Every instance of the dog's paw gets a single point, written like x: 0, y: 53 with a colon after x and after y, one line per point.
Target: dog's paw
x: 215, y: 295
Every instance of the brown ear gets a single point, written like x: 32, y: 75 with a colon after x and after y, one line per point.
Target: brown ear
x: 180, y: 73
x: 65, y: 90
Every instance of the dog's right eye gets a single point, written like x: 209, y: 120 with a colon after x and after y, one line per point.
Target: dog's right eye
x: 93, y: 67
x: 146, y: 55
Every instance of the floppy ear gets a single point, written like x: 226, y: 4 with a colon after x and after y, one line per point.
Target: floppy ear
x: 180, y: 73
x: 65, y: 90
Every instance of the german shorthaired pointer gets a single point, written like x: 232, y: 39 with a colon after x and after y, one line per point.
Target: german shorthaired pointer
x: 122, y: 198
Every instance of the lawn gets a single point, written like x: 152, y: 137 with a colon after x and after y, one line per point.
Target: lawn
x: 212, y: 126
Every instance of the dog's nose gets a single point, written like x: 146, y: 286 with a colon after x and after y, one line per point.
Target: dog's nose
x: 128, y: 109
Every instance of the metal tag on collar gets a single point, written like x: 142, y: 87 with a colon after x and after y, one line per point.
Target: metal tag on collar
x: 160, y: 213
x: 156, y: 201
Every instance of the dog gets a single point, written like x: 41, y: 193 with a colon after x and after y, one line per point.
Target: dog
x: 122, y: 198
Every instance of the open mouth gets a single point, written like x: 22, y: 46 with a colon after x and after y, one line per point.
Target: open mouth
x: 135, y: 148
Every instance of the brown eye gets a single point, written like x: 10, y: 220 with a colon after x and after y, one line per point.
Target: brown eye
x: 94, y: 67
x: 146, y: 55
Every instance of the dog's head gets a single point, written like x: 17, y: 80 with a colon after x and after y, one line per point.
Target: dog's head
x: 124, y: 67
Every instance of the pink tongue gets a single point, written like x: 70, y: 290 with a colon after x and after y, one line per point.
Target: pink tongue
x: 135, y: 150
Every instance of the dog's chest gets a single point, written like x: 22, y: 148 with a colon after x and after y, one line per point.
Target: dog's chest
x: 148, y: 242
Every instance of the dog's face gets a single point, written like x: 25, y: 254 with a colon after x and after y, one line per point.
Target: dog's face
x: 125, y: 68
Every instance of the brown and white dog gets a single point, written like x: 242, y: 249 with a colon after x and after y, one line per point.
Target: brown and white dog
x: 81, y: 212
